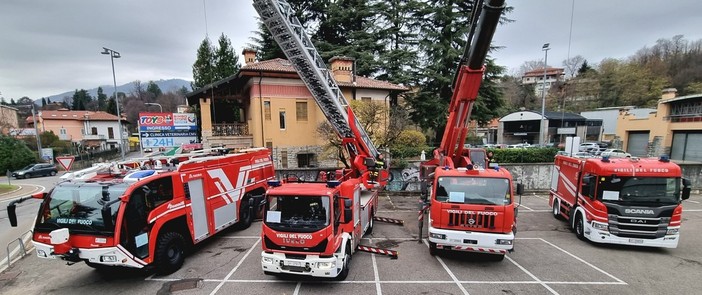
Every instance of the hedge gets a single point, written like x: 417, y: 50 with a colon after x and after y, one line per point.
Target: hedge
x: 528, y: 155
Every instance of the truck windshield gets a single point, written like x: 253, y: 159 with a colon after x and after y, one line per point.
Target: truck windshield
x: 78, y: 206
x: 297, y: 213
x: 473, y: 190
x: 660, y: 190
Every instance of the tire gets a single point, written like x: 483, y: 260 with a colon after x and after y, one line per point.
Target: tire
x: 432, y: 249
x: 556, y: 211
x: 370, y: 225
x: 53, y: 173
x: 245, y: 215
x: 170, y: 252
x: 347, y: 259
x: 579, y: 226
x: 497, y: 257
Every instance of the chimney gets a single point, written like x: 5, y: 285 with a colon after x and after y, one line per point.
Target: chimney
x: 669, y: 93
x: 249, y: 55
x: 342, y: 68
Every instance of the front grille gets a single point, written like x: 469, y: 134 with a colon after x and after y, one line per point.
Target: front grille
x: 638, y: 227
x: 473, y: 220
x: 273, y: 246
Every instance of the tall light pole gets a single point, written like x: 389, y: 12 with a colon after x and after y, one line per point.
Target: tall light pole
x: 36, y: 130
x: 114, y: 54
x: 545, y: 48
x: 154, y: 104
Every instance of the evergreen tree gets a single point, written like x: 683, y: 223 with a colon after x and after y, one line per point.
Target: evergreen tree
x: 399, y: 59
x: 226, y: 62
x: 81, y: 98
x: 111, y: 106
x: 183, y: 90
x: 153, y: 91
x: 43, y: 101
x: 264, y: 44
x: 101, y: 99
x: 12, y: 101
x: 584, y: 68
x: 48, y: 100
x: 203, y: 68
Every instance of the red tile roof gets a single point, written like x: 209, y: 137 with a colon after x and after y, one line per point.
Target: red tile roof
x: 540, y: 72
x: 75, y: 115
x: 284, y: 66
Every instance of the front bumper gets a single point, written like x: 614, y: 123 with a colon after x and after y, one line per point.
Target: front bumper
x: 278, y: 263
x: 471, y: 241
x: 110, y: 256
x: 604, y: 237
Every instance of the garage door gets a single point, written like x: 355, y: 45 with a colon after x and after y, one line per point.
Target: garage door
x: 637, y: 145
x: 687, y: 146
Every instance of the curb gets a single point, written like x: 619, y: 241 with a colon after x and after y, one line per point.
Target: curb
x: 19, y: 187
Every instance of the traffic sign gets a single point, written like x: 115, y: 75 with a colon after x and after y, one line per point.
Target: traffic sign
x: 66, y: 162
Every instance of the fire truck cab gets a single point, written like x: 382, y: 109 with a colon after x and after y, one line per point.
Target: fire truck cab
x: 626, y: 201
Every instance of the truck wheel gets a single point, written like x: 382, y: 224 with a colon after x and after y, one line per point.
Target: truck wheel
x: 579, y: 226
x: 347, y: 259
x: 432, y: 249
x: 557, y: 210
x: 245, y: 215
x: 52, y: 173
x: 170, y: 252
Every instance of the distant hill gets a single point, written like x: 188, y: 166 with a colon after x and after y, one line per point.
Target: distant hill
x: 165, y: 85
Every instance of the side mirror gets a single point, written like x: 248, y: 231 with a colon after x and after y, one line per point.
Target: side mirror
x: 348, y: 203
x: 685, y: 195
x: 39, y: 196
x: 11, y: 214
x: 520, y: 189
x: 686, y: 182
x: 348, y: 215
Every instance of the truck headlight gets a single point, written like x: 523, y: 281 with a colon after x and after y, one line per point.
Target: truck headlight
x: 326, y: 265
x: 437, y: 236
x: 672, y: 231
x: 108, y: 258
x: 267, y: 260
x: 503, y: 242
x: 600, y: 226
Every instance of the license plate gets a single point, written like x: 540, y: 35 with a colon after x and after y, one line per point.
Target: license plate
x: 636, y: 241
x: 455, y: 240
x: 292, y: 263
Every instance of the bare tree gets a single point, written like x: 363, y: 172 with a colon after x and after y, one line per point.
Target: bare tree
x: 572, y: 65
x: 530, y: 66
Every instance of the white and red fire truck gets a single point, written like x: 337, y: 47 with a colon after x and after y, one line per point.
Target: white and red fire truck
x: 111, y: 216
x: 627, y: 201
x: 471, y: 206
x: 314, y: 228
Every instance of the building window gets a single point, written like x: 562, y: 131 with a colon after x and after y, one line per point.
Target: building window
x: 93, y: 131
x: 282, y: 120
x: 267, y: 110
x: 305, y: 160
x: 365, y: 99
x: 301, y: 110
x: 110, y: 133
x: 284, y: 159
x: 62, y: 131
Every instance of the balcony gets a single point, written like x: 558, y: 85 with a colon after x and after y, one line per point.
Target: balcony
x: 234, y: 135
x: 227, y: 129
x: 94, y: 137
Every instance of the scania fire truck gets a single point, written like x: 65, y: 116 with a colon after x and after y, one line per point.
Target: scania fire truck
x: 627, y: 201
x: 314, y: 228
x: 471, y: 206
x: 110, y: 215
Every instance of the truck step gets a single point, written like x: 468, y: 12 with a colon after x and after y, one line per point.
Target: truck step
x: 389, y: 220
x: 369, y: 249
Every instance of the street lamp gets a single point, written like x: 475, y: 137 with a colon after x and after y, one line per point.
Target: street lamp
x: 154, y: 104
x: 545, y: 48
x: 114, y: 54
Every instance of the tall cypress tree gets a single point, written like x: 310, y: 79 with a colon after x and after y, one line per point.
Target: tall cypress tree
x: 203, y: 68
x: 226, y: 62
x: 399, y: 27
x: 101, y: 99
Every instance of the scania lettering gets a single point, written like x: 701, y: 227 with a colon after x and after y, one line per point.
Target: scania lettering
x: 110, y: 216
x: 620, y: 200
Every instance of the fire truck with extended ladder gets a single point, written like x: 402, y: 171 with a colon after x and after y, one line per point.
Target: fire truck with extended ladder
x: 627, y: 201
x: 314, y: 228
x: 471, y: 206
x: 109, y: 215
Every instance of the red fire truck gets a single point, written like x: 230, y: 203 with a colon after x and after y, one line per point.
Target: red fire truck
x: 471, y: 206
x: 314, y: 228
x: 110, y: 216
x: 627, y: 201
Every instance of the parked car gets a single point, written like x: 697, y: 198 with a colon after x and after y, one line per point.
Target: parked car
x: 615, y: 153
x: 598, y: 152
x: 583, y: 155
x: 33, y: 170
x: 588, y: 146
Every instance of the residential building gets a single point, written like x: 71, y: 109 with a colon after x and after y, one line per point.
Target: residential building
x: 609, y: 117
x: 8, y: 119
x: 674, y: 128
x: 536, y: 77
x: 267, y: 104
x: 523, y: 127
x: 91, y: 130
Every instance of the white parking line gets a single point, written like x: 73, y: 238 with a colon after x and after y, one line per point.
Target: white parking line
x: 377, y: 276
x: 583, y: 261
x: 532, y: 276
x: 403, y: 282
x: 453, y: 277
x: 297, y: 288
x: 691, y: 201
x: 235, y: 267
x: 522, y: 205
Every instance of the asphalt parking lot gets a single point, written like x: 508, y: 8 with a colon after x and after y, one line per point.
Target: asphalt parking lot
x: 548, y: 259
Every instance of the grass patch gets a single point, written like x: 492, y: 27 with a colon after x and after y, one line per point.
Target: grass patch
x: 4, y: 188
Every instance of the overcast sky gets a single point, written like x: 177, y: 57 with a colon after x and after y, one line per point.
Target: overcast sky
x: 49, y: 47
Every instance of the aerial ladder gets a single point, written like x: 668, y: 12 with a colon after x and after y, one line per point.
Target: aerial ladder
x: 287, y: 31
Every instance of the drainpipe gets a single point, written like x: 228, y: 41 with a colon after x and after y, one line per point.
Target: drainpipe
x: 260, y: 101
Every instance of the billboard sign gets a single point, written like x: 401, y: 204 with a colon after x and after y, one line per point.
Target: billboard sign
x: 167, y: 129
